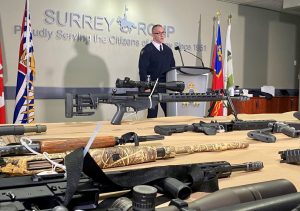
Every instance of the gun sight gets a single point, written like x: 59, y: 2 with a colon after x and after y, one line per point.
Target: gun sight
x: 177, y: 86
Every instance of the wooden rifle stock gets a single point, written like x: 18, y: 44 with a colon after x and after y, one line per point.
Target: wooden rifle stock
x: 70, y: 144
x: 61, y: 145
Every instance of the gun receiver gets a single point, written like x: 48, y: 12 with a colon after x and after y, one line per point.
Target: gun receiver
x: 137, y: 101
x: 177, y: 86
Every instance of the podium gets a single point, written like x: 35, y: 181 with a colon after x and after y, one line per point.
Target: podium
x: 196, y: 81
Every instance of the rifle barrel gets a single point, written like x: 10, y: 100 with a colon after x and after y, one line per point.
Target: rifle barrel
x: 20, y: 129
x: 249, y: 166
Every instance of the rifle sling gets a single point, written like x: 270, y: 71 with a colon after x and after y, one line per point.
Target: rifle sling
x: 193, y: 174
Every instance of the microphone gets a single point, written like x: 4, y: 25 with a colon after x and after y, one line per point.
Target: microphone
x: 195, y: 56
x: 177, y: 48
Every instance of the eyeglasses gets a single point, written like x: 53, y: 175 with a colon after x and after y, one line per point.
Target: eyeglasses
x: 160, y: 33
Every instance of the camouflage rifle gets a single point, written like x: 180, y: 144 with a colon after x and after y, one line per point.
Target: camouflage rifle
x: 111, y: 157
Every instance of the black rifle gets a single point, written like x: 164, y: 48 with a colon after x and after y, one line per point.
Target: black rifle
x: 281, y: 193
x: 177, y: 86
x: 266, y: 134
x: 48, y: 191
x: 20, y: 129
x: 137, y: 101
x: 213, y: 127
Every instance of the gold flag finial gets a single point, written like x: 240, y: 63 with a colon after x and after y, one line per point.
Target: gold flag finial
x: 218, y: 15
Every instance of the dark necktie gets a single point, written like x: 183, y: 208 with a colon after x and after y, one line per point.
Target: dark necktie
x: 160, y: 48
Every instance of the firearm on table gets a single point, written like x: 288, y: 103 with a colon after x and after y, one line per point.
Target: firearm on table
x: 48, y: 191
x: 266, y: 135
x: 69, y: 144
x: 21, y: 129
x: 137, y: 101
x: 213, y: 127
x: 271, y: 195
x: 112, y: 156
x: 278, y: 194
x: 177, y: 86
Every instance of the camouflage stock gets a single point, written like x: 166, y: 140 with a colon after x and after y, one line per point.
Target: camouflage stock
x: 9, y: 139
x: 211, y: 147
x: 112, y: 156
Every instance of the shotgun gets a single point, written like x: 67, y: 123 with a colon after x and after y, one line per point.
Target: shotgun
x: 63, y: 145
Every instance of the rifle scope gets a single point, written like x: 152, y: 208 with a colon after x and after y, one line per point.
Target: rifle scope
x: 240, y: 194
x: 177, y: 86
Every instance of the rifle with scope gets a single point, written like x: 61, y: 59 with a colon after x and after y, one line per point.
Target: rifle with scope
x: 278, y: 195
x: 76, y: 104
x: 177, y: 86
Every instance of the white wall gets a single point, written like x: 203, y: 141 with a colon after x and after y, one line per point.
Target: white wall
x: 264, y: 45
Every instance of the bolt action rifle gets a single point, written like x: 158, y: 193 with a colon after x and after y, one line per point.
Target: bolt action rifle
x: 137, y: 101
x: 69, y: 144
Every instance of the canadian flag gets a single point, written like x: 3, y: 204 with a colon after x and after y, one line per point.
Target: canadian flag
x: 2, y: 101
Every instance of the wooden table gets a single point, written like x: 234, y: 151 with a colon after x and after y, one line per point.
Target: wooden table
x: 257, y: 151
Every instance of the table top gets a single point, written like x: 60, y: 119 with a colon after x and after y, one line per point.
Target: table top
x: 257, y: 151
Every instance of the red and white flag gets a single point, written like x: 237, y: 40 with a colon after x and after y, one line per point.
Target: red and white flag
x: 2, y: 100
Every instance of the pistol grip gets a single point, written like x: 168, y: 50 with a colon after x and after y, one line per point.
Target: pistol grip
x: 117, y: 118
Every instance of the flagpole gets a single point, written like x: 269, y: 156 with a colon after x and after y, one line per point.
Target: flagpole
x: 27, y: 58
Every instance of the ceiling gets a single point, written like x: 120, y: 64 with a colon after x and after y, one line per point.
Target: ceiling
x: 285, y: 6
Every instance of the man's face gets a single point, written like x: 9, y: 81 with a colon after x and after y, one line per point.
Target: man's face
x: 158, y: 34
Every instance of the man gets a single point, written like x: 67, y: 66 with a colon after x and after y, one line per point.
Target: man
x: 156, y: 59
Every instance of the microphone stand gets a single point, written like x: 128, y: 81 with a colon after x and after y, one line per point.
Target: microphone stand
x: 195, y: 56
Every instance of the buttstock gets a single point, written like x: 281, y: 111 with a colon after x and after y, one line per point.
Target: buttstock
x: 63, y: 145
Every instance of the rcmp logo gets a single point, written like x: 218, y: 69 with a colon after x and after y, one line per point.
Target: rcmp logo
x: 190, y: 89
x: 126, y: 26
